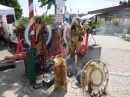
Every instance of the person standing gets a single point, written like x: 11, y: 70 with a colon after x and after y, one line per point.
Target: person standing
x: 76, y: 38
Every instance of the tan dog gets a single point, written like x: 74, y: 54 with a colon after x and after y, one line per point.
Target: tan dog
x: 60, y: 71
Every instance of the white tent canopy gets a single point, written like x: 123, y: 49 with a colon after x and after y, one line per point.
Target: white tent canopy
x: 88, y: 16
x: 4, y: 10
x: 8, y: 28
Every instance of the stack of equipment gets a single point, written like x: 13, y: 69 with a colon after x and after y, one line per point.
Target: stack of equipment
x: 7, y: 64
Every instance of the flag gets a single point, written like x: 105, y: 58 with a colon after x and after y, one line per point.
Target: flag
x: 77, y: 13
x: 35, y: 10
x: 70, y: 11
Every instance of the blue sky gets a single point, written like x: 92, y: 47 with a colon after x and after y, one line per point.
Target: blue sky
x: 83, y: 5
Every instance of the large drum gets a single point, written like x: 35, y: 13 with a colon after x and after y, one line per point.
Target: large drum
x: 94, y: 78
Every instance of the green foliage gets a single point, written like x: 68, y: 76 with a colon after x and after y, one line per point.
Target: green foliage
x: 47, y: 2
x: 128, y: 31
x: 46, y: 20
x: 22, y: 22
x: 100, y: 22
x: 127, y: 39
x: 93, y: 26
x: 15, y: 5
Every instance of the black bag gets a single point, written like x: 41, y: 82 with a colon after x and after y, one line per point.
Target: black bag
x: 10, y: 19
x: 49, y: 81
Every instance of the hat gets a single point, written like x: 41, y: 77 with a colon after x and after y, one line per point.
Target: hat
x: 74, y: 20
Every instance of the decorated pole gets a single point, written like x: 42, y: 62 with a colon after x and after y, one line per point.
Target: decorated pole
x: 31, y: 18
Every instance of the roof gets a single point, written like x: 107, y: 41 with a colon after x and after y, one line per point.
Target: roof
x: 4, y: 10
x: 88, y: 16
x: 115, y: 8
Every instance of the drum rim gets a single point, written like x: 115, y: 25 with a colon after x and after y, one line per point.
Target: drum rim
x: 83, y: 85
x: 27, y: 38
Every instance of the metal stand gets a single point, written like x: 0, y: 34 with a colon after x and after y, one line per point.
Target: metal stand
x: 93, y: 39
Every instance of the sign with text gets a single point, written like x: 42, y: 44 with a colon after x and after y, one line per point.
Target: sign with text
x: 60, y: 2
x: 67, y: 16
x: 58, y: 18
x: 59, y: 9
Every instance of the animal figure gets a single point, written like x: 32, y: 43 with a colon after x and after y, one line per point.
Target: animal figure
x: 60, y: 71
x: 93, y: 65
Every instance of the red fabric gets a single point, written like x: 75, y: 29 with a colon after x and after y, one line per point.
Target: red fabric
x: 84, y: 43
x: 18, y: 45
x: 19, y: 49
x: 60, y: 41
x: 51, y: 51
x: 33, y: 40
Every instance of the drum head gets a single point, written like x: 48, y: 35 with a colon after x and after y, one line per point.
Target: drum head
x: 96, y: 77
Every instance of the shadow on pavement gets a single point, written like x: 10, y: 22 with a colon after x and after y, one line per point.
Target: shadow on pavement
x: 12, y: 51
x: 57, y: 94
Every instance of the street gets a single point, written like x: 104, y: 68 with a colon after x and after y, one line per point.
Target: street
x: 115, y: 53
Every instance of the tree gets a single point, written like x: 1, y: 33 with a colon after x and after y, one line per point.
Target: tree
x: 15, y: 5
x: 47, y: 2
x: 46, y: 20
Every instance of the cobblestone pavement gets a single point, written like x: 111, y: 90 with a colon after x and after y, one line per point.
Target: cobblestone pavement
x: 118, y: 64
x: 116, y: 57
x: 110, y: 42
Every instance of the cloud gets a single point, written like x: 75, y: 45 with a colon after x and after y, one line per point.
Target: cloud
x: 100, y: 0
x: 81, y: 10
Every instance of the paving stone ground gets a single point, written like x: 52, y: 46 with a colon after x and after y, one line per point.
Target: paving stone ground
x: 117, y: 58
